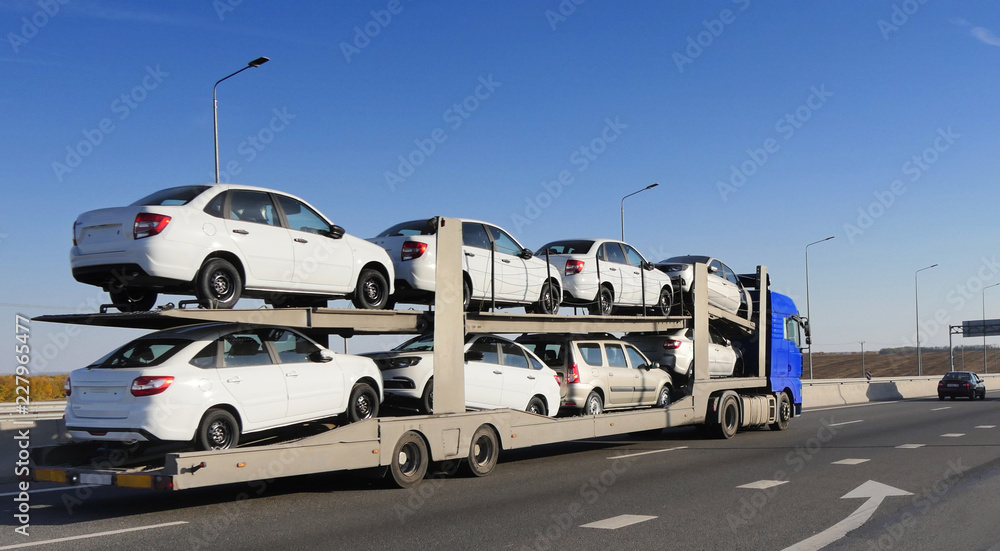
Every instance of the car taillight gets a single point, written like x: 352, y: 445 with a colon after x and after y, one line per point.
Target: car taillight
x: 573, y: 375
x: 940, y: 383
x: 412, y: 249
x: 671, y: 344
x: 148, y: 386
x: 68, y: 387
x: 148, y: 224
x: 574, y: 267
x: 558, y: 378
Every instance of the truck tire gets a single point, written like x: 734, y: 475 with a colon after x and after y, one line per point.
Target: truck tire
x: 484, y: 450
x: 729, y: 417
x: 218, y: 285
x: 363, y: 403
x: 218, y: 430
x: 784, y: 413
x: 409, y: 460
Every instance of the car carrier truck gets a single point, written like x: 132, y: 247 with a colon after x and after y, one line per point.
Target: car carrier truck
x: 767, y: 394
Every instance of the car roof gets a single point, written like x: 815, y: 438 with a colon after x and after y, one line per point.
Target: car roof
x: 687, y: 259
x: 206, y: 330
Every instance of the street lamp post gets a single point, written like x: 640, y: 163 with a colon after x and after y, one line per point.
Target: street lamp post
x: 650, y: 186
x: 808, y: 314
x: 916, y: 302
x: 985, y: 368
x: 862, y: 358
x: 215, y: 108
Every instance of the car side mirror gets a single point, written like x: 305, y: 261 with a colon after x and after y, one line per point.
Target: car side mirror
x: 474, y: 356
x: 713, y: 269
x: 336, y: 232
x: 652, y: 365
x: 526, y: 254
x: 320, y: 357
x: 647, y: 265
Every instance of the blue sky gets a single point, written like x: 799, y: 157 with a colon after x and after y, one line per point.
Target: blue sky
x: 767, y: 127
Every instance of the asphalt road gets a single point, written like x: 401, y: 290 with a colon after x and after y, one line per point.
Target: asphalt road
x: 919, y: 474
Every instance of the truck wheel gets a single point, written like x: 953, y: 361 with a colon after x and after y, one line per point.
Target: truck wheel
x: 783, y: 414
x: 484, y: 450
x: 409, y: 460
x: 604, y: 303
x: 218, y: 431
x: 363, y: 403
x: 594, y: 404
x: 666, y: 302
x: 427, y: 398
x: 729, y: 417
x: 129, y: 299
x: 663, y: 400
x: 536, y: 406
x: 218, y: 285
x: 372, y: 292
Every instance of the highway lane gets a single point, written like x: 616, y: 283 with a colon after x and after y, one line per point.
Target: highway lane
x: 678, y: 490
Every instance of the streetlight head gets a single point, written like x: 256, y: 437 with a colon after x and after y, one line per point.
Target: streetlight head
x: 829, y: 238
x: 932, y: 266
x: 651, y: 186
x: 258, y: 62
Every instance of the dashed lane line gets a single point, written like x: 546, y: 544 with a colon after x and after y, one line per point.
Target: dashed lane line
x: 647, y: 453
x: 763, y: 484
x: 620, y: 521
x: 850, y: 461
x: 97, y: 535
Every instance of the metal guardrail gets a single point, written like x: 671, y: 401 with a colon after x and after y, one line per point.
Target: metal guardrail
x: 34, y: 408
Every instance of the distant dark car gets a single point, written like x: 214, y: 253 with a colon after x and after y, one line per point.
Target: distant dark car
x: 961, y: 383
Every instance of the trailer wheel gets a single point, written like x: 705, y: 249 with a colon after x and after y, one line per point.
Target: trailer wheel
x: 409, y: 460
x: 594, y: 404
x: 729, y: 417
x: 427, y: 398
x: 784, y: 413
x: 484, y: 450
x: 363, y: 403
x: 218, y: 431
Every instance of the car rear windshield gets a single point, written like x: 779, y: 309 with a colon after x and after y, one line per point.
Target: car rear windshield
x: 579, y: 246
x: 413, y: 227
x: 691, y: 259
x: 958, y: 376
x: 142, y: 353
x: 173, y: 196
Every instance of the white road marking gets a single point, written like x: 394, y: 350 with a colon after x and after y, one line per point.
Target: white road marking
x: 85, y: 536
x: 647, y: 453
x: 850, y: 406
x: 850, y: 461
x: 65, y: 488
x: 763, y: 484
x: 846, y: 423
x: 952, y: 435
x: 986, y: 427
x: 910, y: 446
x: 876, y: 492
x: 620, y: 521
x: 939, y: 409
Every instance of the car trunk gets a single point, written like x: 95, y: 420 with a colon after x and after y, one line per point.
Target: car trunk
x: 393, y: 244
x: 102, y: 393
x: 105, y: 230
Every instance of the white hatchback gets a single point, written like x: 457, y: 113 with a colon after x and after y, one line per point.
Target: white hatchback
x: 725, y: 290
x: 605, y: 275
x: 499, y: 373
x: 210, y: 384
x: 220, y: 242
x: 495, y: 267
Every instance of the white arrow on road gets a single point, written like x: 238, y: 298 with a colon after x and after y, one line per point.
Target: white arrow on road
x: 876, y: 492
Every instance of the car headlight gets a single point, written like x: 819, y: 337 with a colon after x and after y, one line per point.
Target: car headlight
x: 398, y: 363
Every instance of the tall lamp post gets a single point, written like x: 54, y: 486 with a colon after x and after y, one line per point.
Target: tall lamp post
x: 650, y: 186
x: 808, y: 314
x: 215, y: 107
x: 985, y: 368
x: 916, y: 302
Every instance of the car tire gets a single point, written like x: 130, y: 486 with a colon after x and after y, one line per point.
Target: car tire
x: 427, y: 398
x: 594, y: 405
x: 372, y: 291
x: 663, y: 400
x: 941, y: 397
x: 548, y: 300
x: 784, y: 413
x: 466, y: 296
x: 666, y: 303
x: 218, y: 285
x: 536, y: 406
x: 738, y: 368
x: 484, y: 451
x: 218, y: 430
x: 131, y: 299
x: 363, y: 403
x: 604, y: 303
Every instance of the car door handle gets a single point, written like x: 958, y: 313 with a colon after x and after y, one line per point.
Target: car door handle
x: 300, y: 240
x: 613, y: 269
x: 470, y: 254
x: 241, y: 232
x: 498, y: 372
x: 234, y: 380
x: 505, y: 261
x: 532, y: 377
x: 291, y: 374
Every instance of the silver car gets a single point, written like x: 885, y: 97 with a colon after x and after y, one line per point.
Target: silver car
x: 724, y: 288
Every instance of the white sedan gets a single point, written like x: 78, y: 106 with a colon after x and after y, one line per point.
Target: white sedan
x: 675, y: 351
x: 604, y: 274
x: 220, y: 242
x: 210, y: 384
x: 498, y: 374
x: 495, y: 267
x: 724, y: 288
